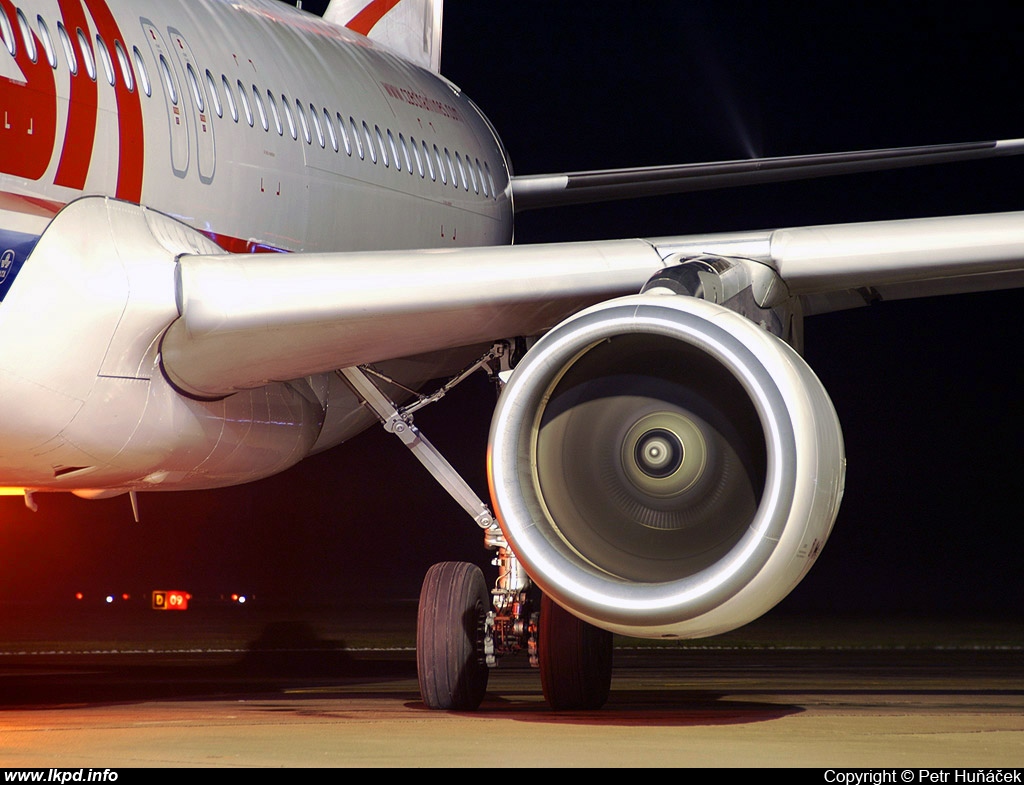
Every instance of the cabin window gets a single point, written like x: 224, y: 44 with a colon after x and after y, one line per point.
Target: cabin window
x: 487, y: 169
x: 7, y: 33
x: 289, y: 117
x: 451, y: 168
x: 69, y: 50
x: 330, y: 130
x: 168, y: 80
x: 380, y: 145
x: 394, y: 150
x: 472, y: 176
x: 108, y: 64
x: 27, y: 37
x: 90, y: 64
x: 440, y: 166
x: 196, y: 92
x: 303, y: 122
x: 211, y: 83
x: 369, y: 142
x: 258, y: 100
x: 126, y: 68
x: 462, y: 172
x: 44, y: 36
x: 405, y: 153
x: 480, y: 176
x: 316, y: 125
x: 140, y: 67
x: 244, y: 101
x: 429, y: 162
x: 344, y: 134
x: 416, y: 155
x: 355, y: 137
x: 276, y: 114
x: 229, y: 98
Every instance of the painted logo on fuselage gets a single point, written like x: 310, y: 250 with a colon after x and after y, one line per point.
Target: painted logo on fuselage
x: 29, y: 132
x: 6, y: 262
x: 17, y: 246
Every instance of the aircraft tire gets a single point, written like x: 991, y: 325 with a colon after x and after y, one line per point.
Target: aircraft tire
x: 449, y: 662
x: 575, y: 660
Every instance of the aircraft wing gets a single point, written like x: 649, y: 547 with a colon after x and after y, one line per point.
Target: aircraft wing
x: 246, y: 319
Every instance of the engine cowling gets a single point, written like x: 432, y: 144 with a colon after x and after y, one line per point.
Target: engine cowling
x: 663, y: 467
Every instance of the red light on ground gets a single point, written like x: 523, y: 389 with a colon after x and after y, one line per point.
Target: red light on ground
x: 170, y: 600
x: 125, y: 596
x: 78, y: 595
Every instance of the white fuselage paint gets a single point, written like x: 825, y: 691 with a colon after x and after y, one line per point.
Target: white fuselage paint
x: 405, y: 162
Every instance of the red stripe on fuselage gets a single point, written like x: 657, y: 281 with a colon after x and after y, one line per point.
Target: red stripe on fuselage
x: 364, y: 21
x: 80, y: 132
x: 29, y: 112
x: 130, y: 136
x: 30, y: 205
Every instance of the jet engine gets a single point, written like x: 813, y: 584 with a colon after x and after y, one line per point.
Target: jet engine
x: 665, y: 467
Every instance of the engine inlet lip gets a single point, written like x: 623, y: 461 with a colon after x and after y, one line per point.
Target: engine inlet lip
x: 522, y: 512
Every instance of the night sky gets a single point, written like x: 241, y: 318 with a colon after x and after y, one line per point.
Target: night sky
x: 929, y: 392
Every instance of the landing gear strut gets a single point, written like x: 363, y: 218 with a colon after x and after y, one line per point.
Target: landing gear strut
x: 461, y: 632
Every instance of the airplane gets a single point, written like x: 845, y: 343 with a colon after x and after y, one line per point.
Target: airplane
x: 662, y: 462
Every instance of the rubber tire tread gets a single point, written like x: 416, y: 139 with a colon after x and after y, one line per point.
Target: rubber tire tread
x: 453, y: 601
x: 575, y: 660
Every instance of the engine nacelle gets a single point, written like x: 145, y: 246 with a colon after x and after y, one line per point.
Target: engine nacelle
x: 663, y: 467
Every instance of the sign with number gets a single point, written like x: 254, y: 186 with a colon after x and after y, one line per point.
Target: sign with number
x: 170, y: 600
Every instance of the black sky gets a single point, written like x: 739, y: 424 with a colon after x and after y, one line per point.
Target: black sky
x: 929, y: 392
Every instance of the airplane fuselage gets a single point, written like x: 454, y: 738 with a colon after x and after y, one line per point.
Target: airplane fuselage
x: 263, y: 129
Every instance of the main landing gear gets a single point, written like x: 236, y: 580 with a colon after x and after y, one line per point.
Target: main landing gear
x: 463, y: 629
x: 450, y: 636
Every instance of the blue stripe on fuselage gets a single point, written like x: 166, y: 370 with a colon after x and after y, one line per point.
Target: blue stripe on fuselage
x: 14, y: 250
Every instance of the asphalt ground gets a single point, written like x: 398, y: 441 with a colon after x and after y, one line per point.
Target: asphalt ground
x: 224, y: 685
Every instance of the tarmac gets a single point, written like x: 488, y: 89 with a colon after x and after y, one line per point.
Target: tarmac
x: 226, y: 686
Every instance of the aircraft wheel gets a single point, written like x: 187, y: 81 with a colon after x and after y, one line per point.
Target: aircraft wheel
x: 449, y: 637
x: 575, y: 659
